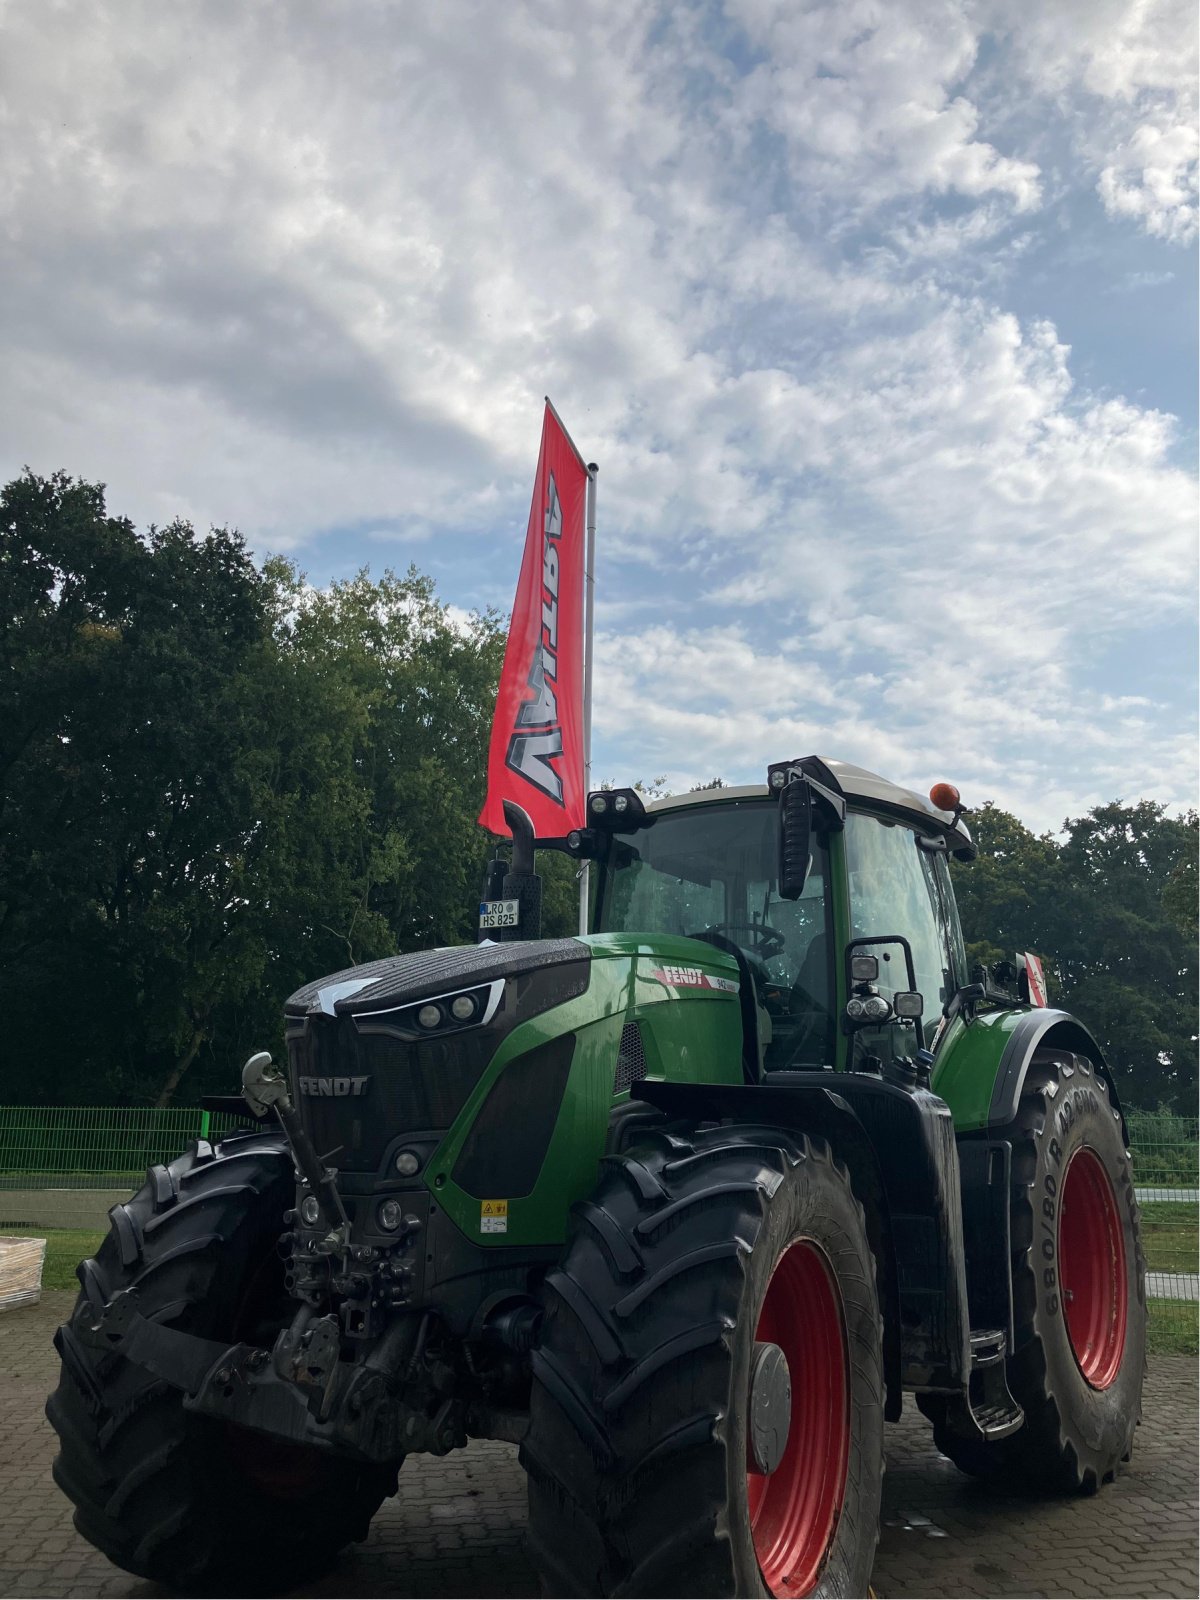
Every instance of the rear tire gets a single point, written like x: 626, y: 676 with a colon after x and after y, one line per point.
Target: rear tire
x: 174, y: 1497
x: 693, y: 1251
x: 1079, y: 1304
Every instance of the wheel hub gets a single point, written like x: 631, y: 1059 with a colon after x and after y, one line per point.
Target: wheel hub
x: 1091, y: 1249
x: 770, y: 1408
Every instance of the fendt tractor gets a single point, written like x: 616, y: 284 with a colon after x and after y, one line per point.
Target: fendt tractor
x: 682, y: 1207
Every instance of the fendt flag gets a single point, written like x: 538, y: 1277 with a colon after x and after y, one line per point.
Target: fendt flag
x: 536, y: 755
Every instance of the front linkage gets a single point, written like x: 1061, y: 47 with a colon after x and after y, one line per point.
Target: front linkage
x: 405, y: 1389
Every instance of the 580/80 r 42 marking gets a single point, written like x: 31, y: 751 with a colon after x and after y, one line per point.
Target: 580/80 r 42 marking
x: 698, y: 1252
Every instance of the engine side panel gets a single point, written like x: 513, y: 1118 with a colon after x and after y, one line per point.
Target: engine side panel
x: 568, y: 1059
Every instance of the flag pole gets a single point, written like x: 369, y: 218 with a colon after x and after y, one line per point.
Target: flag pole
x: 589, y: 605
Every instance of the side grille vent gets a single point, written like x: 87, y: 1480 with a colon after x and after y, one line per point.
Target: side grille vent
x: 504, y: 1151
x: 631, y: 1058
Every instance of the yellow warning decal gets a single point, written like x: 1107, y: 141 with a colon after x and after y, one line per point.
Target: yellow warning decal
x: 493, y: 1216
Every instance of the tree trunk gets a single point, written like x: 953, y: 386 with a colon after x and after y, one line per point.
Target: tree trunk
x: 178, y: 1070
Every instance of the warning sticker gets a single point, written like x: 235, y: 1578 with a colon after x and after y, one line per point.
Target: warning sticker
x: 493, y: 1216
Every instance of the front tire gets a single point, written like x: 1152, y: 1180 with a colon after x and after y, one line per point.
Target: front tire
x: 1079, y: 1305
x: 696, y: 1257
x: 178, y: 1498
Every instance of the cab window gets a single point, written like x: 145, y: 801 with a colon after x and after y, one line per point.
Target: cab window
x: 710, y: 872
x: 894, y: 890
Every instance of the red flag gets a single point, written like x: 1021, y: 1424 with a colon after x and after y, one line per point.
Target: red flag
x: 536, y: 754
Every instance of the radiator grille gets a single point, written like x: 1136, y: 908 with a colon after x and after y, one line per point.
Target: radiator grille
x: 413, y: 1086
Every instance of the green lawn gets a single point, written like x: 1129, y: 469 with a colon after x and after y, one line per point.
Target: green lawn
x: 1173, y: 1329
x: 65, y: 1248
x: 1170, y: 1235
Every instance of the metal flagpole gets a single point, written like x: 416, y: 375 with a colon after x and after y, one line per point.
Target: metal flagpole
x: 589, y: 604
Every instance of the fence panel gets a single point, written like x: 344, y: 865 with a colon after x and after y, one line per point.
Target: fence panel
x: 64, y: 1166
x: 1167, y: 1182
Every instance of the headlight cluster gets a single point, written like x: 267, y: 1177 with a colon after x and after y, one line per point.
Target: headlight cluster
x: 462, y: 1008
x: 868, y: 1008
x: 616, y: 808
x: 440, y: 1013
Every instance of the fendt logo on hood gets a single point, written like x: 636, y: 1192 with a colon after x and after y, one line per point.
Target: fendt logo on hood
x: 530, y: 753
x: 334, y: 1088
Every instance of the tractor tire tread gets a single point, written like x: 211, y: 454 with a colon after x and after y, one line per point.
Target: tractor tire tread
x: 143, y: 1473
x: 1047, y: 1450
x: 627, y: 1403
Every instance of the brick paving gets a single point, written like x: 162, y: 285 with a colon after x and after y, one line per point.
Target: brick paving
x: 457, y: 1525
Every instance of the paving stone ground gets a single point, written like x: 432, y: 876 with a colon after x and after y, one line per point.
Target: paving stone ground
x: 457, y: 1525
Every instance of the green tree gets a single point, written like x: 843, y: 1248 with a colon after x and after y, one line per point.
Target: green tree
x: 215, y: 782
x: 1106, y: 908
x: 125, y: 784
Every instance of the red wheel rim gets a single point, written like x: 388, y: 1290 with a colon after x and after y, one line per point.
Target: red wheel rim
x: 1091, y: 1256
x: 794, y: 1510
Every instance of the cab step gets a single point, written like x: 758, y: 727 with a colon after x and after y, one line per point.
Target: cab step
x: 993, y: 1410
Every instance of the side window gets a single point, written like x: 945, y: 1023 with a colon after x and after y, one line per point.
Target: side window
x: 952, y: 926
x: 894, y: 889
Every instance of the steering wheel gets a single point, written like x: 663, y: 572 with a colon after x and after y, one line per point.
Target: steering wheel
x: 764, y: 942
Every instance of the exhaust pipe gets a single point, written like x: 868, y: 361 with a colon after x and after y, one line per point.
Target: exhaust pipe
x: 521, y: 882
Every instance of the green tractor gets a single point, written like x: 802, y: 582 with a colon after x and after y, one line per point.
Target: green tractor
x: 682, y: 1207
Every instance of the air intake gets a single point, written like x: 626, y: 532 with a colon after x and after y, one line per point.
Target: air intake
x: 631, y: 1058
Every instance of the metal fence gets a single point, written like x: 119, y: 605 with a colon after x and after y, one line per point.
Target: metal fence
x: 1167, y: 1185
x: 64, y: 1166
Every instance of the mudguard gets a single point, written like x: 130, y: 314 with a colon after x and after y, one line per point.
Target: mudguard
x: 981, y: 1064
x: 1037, y: 1030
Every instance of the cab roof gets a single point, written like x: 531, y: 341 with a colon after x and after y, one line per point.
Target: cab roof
x: 858, y: 785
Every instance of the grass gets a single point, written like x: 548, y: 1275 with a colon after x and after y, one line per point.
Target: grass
x: 1173, y: 1328
x: 65, y: 1248
x: 1170, y: 1236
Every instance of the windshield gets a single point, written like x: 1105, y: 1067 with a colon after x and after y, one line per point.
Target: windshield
x: 710, y: 871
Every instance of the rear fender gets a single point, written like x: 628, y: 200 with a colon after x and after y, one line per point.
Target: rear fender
x: 899, y: 1149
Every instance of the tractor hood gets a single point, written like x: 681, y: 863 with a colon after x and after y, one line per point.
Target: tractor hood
x: 395, y: 1047
x: 397, y: 981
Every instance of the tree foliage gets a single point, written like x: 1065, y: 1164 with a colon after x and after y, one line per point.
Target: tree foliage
x: 1111, y: 909
x: 217, y: 782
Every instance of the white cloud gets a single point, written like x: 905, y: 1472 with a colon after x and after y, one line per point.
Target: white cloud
x: 310, y: 268
x: 1126, y: 71
x: 863, y: 94
x: 1153, y: 179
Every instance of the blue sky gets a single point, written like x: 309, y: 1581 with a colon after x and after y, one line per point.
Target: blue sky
x: 880, y: 319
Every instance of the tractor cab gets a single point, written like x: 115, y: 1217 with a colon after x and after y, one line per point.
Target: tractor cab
x: 709, y: 872
x: 850, y: 956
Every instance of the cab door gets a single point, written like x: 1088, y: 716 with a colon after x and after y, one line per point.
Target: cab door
x: 898, y: 886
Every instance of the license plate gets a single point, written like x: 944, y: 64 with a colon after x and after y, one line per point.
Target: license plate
x: 498, y: 913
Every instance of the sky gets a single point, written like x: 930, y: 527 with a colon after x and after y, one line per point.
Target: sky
x: 878, y: 316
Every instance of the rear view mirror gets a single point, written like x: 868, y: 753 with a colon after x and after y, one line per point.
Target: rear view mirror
x: 795, y: 830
